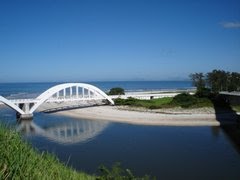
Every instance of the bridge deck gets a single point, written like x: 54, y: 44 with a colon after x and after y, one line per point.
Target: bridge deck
x: 65, y: 99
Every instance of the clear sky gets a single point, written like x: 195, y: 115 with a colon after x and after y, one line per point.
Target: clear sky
x: 86, y: 40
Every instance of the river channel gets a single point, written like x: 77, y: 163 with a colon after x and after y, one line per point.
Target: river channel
x: 160, y: 151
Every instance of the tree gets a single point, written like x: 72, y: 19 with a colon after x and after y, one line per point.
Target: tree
x: 234, y: 82
x: 198, y: 80
x: 116, y: 91
x: 218, y: 80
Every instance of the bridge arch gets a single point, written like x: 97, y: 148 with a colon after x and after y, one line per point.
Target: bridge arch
x: 11, y: 105
x: 55, y: 89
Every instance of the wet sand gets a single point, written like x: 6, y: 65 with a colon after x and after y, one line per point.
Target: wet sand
x: 122, y: 115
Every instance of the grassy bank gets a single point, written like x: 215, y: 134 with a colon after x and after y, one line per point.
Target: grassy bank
x: 18, y: 160
x: 182, y: 100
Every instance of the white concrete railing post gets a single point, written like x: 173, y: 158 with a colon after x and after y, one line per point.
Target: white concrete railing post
x: 77, y: 91
x: 64, y: 93
x: 83, y: 92
x: 89, y: 93
x: 70, y: 92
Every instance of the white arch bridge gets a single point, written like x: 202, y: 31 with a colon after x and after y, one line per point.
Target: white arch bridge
x: 68, y: 92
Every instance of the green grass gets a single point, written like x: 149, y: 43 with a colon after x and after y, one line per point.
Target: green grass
x: 182, y: 100
x: 150, y: 104
x: 18, y: 160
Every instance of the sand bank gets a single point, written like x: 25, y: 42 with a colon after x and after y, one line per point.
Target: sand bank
x: 116, y: 114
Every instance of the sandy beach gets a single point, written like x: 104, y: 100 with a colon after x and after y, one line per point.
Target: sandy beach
x: 121, y: 114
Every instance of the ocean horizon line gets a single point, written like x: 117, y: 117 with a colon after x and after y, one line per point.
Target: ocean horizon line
x: 22, y: 82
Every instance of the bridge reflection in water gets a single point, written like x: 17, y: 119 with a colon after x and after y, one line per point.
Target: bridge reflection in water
x: 72, y: 132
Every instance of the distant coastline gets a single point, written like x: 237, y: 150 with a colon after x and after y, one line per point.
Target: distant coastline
x: 30, y: 90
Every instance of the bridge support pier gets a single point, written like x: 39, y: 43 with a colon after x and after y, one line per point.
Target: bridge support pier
x: 25, y: 107
x: 24, y: 116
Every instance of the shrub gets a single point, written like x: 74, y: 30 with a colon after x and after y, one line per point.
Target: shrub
x: 116, y: 91
x: 119, y: 101
x: 118, y: 173
x: 203, y: 92
x: 128, y: 101
x: 184, y: 100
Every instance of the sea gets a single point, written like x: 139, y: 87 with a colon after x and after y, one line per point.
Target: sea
x: 31, y: 90
x: 163, y: 152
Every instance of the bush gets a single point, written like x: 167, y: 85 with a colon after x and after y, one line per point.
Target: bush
x: 119, y: 101
x: 184, y: 100
x: 118, y: 173
x: 128, y: 101
x: 203, y: 92
x: 116, y: 91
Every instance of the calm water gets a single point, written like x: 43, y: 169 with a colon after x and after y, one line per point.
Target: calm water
x: 164, y: 152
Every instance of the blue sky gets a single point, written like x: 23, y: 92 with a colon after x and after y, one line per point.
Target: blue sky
x: 86, y: 40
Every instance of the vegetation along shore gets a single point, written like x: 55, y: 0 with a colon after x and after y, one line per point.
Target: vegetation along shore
x: 206, y: 97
